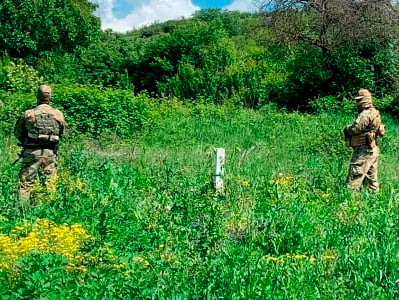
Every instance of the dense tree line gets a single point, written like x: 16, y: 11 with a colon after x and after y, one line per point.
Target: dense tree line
x: 291, y: 53
x: 29, y: 29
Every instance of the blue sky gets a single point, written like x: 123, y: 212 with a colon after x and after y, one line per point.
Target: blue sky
x: 209, y: 3
x: 124, y: 15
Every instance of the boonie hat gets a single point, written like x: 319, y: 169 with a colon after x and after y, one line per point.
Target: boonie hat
x: 363, y: 93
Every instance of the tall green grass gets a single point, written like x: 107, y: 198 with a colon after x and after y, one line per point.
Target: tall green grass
x: 285, y: 227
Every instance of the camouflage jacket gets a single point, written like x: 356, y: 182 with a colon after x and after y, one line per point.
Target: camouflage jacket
x: 364, y: 130
x: 41, y: 126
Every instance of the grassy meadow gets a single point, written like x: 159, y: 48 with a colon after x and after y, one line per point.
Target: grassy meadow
x: 138, y: 218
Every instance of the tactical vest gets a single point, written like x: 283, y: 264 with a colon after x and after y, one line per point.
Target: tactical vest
x: 375, y: 129
x: 43, y: 128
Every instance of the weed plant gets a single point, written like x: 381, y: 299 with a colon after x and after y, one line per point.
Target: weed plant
x: 285, y: 226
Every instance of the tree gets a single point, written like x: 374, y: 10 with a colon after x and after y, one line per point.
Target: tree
x: 28, y: 28
x: 330, y: 24
x: 338, y: 45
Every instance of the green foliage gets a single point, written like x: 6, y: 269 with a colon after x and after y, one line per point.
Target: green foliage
x: 307, y: 78
x: 31, y: 27
x: 36, y: 275
x: 329, y: 104
x: 157, y: 57
x: 284, y: 228
x: 12, y: 106
x: 337, y: 48
x: 18, y: 77
x: 390, y: 105
x: 233, y: 22
x: 59, y: 67
x: 216, y: 56
x: 354, y: 70
x: 203, y: 58
x: 385, y: 103
x: 100, y: 63
x: 313, y: 74
x: 96, y: 110
x: 206, y: 79
x: 4, y: 62
x: 104, y: 62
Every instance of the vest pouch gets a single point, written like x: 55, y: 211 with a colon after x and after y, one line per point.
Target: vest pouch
x: 48, y: 138
x: 54, y: 138
x: 358, y: 140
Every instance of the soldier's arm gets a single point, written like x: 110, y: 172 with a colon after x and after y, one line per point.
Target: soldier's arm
x: 20, y: 131
x: 360, y: 125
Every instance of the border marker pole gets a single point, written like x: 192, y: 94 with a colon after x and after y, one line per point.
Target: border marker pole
x: 220, y: 155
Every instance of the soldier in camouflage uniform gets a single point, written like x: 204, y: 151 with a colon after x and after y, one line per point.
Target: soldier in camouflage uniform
x: 362, y: 137
x: 38, y: 131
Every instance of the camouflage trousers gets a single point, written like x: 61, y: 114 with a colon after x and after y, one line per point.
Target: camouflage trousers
x: 35, y: 162
x: 363, y: 168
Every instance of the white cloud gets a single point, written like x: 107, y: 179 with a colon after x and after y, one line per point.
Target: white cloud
x: 242, y: 5
x: 104, y: 11
x: 145, y: 12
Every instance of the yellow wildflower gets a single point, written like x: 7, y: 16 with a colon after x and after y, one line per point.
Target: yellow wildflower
x: 44, y: 236
x: 283, y: 180
x: 272, y: 259
x: 300, y: 256
x: 142, y: 261
x: 245, y: 183
x: 312, y: 260
x: 328, y: 257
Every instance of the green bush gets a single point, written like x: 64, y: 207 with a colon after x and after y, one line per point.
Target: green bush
x: 325, y: 104
x: 94, y: 110
x: 59, y: 67
x: 393, y: 106
x: 12, y: 106
x: 87, y: 109
x: 386, y: 103
x: 18, y: 77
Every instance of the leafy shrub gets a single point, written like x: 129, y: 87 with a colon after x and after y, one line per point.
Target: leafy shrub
x: 11, y: 107
x: 59, y: 67
x: 325, y: 104
x: 352, y: 70
x: 93, y: 110
x: 31, y: 27
x: 386, y: 103
x: 3, y: 72
x: 392, y: 108
x: 348, y: 106
x: 308, y: 79
x: 18, y: 77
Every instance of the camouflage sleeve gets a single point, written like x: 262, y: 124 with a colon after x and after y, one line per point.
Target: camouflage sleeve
x: 360, y: 125
x: 20, y: 131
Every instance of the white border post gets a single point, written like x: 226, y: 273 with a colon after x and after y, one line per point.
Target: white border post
x: 219, y: 168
